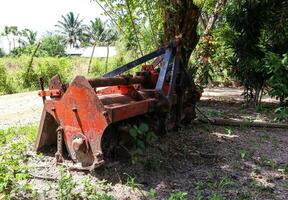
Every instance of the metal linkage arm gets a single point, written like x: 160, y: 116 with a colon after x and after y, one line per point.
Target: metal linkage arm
x: 164, y: 69
x: 135, y: 63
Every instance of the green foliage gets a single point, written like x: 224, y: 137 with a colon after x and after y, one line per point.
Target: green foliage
x: 12, y: 80
x: 71, y: 28
x: 49, y: 67
x: 146, y: 17
x: 2, y: 53
x: 255, y: 23
x: 65, y: 185
x: 243, y: 154
x: 142, y: 136
x: 3, y: 79
x: 5, y: 82
x: 216, y: 196
x: 29, y: 35
x: 277, y: 68
x: 91, y: 191
x: 13, y: 171
x: 52, y: 45
x: 131, y: 182
x: 281, y: 114
x: 178, y: 196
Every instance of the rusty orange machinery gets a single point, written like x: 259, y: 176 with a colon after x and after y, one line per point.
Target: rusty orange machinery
x: 78, y: 114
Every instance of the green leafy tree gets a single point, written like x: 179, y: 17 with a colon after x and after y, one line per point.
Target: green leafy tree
x: 52, y: 45
x: 29, y: 35
x: 71, y: 27
x: 258, y: 26
x: 10, y: 32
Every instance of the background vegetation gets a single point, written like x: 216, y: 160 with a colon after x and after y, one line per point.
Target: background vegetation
x: 240, y: 43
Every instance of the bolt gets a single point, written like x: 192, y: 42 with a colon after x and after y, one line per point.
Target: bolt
x: 74, y: 109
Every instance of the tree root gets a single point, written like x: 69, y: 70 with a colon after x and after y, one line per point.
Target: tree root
x: 231, y: 122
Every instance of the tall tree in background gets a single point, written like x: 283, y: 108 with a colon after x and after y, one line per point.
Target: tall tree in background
x: 29, y: 35
x: 71, y: 27
x: 10, y: 32
x: 171, y: 19
x: 259, y: 26
x: 98, y: 33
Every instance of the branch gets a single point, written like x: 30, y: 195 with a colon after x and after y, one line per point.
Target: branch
x: 211, y: 22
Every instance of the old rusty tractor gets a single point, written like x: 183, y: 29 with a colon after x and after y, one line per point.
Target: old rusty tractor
x: 87, y: 118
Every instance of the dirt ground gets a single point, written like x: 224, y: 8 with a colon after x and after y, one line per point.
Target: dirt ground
x: 202, y: 160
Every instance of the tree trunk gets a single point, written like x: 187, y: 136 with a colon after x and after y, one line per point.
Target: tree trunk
x: 9, y: 44
x: 106, y: 65
x: 91, y: 57
x: 181, y: 20
x: 217, y: 9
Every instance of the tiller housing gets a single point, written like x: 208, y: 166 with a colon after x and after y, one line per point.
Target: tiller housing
x: 90, y: 115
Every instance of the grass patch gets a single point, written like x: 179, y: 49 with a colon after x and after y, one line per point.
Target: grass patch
x: 14, y: 143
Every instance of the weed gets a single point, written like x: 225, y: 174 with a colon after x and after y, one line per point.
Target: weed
x: 281, y: 114
x: 228, y: 131
x: 216, y: 196
x: 90, y: 190
x: 243, y: 154
x: 215, y: 113
x: 198, y: 196
x: 142, y: 136
x: 285, y: 171
x: 266, y: 137
x: 152, y: 193
x: 261, y: 187
x: 13, y: 171
x: 132, y: 183
x: 215, y: 183
x: 244, y: 194
x: 256, y: 170
x: 178, y: 196
x: 265, y: 161
x: 275, y: 142
x: 65, y: 185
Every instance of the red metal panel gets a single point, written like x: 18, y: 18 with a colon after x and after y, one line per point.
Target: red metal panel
x: 126, y: 111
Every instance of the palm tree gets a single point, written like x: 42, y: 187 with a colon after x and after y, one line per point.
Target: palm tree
x: 95, y: 35
x: 10, y: 31
x: 29, y: 35
x: 99, y: 34
x: 71, y: 28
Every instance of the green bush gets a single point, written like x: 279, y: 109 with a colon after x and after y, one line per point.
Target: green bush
x: 5, y: 82
x: 14, y: 77
x: 278, y: 81
x: 2, y: 53
x: 52, y: 45
x: 48, y: 67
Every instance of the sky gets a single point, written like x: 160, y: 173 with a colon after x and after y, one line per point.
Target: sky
x: 42, y: 15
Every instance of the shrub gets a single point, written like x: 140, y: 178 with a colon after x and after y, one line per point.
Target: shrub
x: 48, y: 67
x: 279, y: 80
x: 2, y: 53
x: 52, y: 45
x: 5, y: 82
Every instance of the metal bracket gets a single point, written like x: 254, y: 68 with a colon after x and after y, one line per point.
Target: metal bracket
x: 135, y: 63
x: 59, y: 153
